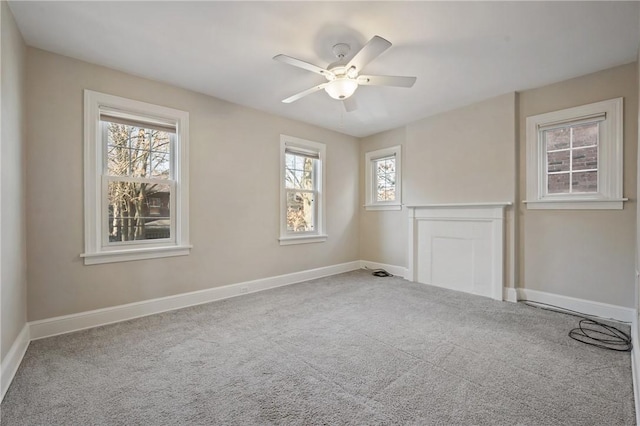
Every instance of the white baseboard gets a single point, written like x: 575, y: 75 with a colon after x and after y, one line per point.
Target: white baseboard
x: 12, y: 360
x: 598, y: 309
x: 83, y: 320
x: 509, y: 294
x: 392, y: 269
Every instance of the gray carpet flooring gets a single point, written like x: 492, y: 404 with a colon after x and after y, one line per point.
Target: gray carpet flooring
x: 347, y: 349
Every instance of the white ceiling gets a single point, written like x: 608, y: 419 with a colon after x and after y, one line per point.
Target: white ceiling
x: 461, y: 52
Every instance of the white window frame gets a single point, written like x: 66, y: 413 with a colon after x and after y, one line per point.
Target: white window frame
x: 97, y: 247
x: 318, y: 234
x: 370, y: 182
x: 609, y: 113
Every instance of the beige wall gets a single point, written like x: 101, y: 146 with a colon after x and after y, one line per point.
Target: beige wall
x: 383, y: 234
x: 462, y: 156
x: 471, y: 154
x: 234, y: 194
x: 13, y: 286
x: 476, y: 154
x: 583, y: 254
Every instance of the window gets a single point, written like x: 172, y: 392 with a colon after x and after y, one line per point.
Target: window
x: 301, y: 196
x: 383, y: 179
x: 574, y: 158
x: 136, y: 181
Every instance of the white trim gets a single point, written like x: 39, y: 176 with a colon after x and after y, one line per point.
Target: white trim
x: 610, y: 158
x: 460, y: 205
x: 491, y: 214
x: 302, y: 239
x: 589, y: 307
x: 369, y: 158
x: 635, y: 366
x: 576, y: 204
x: 83, y: 320
x: 134, y: 254
x: 510, y: 294
x: 12, y: 360
x: 319, y: 233
x: 374, y: 207
x: 95, y: 247
x: 399, y: 271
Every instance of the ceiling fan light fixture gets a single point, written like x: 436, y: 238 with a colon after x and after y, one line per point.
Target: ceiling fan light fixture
x: 341, y: 88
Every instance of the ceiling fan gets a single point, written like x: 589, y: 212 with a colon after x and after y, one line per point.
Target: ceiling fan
x: 343, y: 78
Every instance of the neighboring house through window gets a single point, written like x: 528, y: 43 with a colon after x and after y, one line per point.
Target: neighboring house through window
x: 574, y: 158
x: 136, y: 181
x: 383, y: 179
x: 302, y: 171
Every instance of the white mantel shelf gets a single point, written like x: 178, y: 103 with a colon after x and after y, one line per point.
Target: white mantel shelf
x: 459, y: 205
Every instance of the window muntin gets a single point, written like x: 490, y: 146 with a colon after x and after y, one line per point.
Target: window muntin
x: 572, y: 158
x: 136, y: 181
x: 383, y: 179
x: 302, y: 198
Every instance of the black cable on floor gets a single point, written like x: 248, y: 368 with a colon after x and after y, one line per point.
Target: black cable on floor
x: 592, y: 332
x: 379, y: 272
x: 602, y: 336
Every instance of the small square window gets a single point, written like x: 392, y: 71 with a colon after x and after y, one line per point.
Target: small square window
x: 574, y: 158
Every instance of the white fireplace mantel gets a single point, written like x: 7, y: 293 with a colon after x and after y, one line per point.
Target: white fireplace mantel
x: 458, y: 246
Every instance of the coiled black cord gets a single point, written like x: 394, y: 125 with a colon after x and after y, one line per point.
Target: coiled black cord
x: 381, y: 273
x: 601, y: 335
x: 592, y: 332
x: 378, y: 272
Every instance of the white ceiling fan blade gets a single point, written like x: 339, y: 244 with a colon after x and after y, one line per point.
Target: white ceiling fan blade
x: 350, y: 104
x: 386, y: 80
x: 369, y: 52
x: 302, y: 64
x: 305, y: 93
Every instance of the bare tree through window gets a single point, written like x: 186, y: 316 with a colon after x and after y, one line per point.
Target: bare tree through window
x: 301, y: 192
x: 139, y: 171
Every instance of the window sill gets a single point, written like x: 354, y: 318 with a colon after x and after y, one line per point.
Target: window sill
x: 374, y: 207
x: 576, y: 204
x: 303, y: 239
x: 135, y: 254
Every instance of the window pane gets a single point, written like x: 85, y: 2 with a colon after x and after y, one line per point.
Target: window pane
x: 558, y: 161
x: 585, y: 135
x: 300, y: 211
x: 299, y: 172
x: 585, y: 182
x: 557, y: 138
x: 160, y: 165
x: 558, y: 184
x: 119, y: 135
x: 137, y: 152
x: 140, y: 163
x: 160, y: 141
x: 385, y: 170
x: 118, y: 160
x: 585, y: 158
x: 138, y: 211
